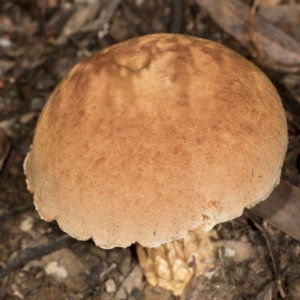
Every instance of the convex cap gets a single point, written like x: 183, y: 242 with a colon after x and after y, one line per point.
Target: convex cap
x: 153, y: 137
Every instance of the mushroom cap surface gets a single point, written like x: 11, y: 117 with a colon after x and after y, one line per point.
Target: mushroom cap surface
x: 154, y: 137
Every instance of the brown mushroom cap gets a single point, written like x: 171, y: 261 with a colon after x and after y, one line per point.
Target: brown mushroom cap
x: 153, y: 137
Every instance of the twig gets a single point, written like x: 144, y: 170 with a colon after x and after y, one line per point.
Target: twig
x: 93, y: 281
x: 36, y: 253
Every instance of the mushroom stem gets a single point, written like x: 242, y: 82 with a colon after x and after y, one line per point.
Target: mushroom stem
x: 171, y: 265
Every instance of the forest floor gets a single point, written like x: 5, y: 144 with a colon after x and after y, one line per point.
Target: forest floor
x: 39, y: 42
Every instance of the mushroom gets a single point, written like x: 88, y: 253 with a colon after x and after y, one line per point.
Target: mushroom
x: 153, y: 138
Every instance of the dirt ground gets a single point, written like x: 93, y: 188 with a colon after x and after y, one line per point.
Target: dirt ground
x: 40, y: 40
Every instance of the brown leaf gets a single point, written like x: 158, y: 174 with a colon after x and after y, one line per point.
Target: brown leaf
x: 104, y: 18
x: 292, y: 83
x: 281, y: 52
x: 78, y: 19
x: 286, y: 17
x: 269, y: 3
x: 282, y: 209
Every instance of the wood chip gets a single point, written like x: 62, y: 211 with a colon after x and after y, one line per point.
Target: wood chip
x: 238, y: 251
x: 133, y: 280
x: 110, y: 286
x: 67, y: 267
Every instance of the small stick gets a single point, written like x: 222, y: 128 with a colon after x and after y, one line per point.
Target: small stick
x: 93, y: 282
x: 36, y: 253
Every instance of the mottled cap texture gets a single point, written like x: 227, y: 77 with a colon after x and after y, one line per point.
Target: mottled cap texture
x: 154, y: 137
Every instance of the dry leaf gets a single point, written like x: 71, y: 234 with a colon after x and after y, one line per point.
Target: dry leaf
x: 292, y: 83
x: 281, y: 52
x: 269, y: 3
x: 282, y: 209
x: 285, y: 17
x: 78, y: 20
x: 105, y: 16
